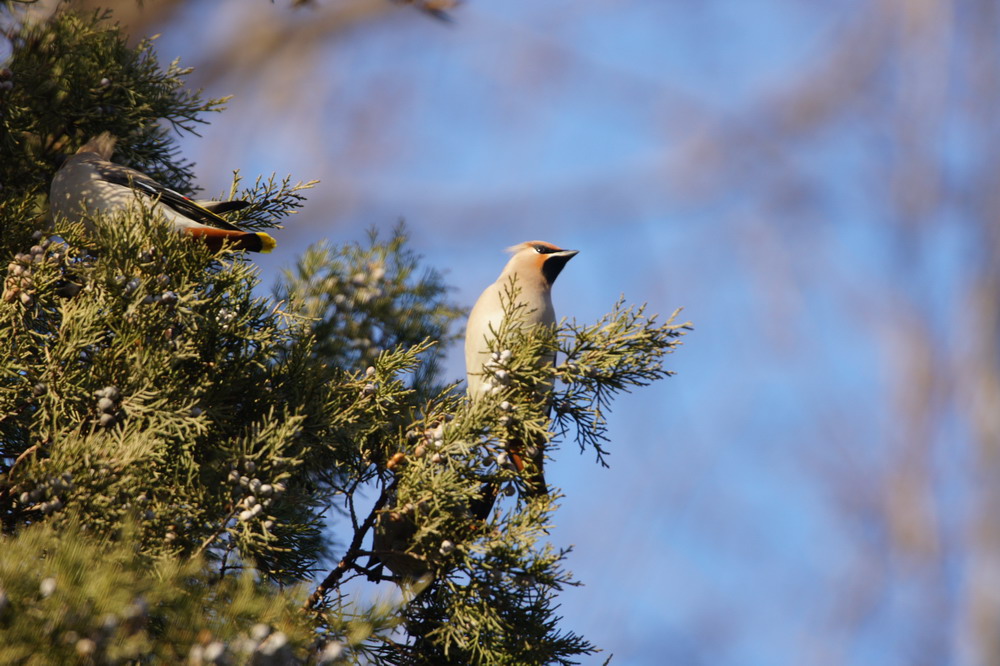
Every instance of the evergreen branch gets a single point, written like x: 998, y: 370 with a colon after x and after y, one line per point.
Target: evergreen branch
x: 209, y: 540
x: 623, y: 350
x: 24, y: 454
x: 364, y: 299
x: 352, y: 553
x: 272, y: 200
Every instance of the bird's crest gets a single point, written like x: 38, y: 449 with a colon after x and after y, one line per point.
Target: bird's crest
x: 514, y: 249
x: 103, y: 144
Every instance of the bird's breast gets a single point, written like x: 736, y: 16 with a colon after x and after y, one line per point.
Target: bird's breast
x: 487, y: 317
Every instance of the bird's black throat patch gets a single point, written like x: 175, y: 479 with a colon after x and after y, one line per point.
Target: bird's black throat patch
x: 553, y: 265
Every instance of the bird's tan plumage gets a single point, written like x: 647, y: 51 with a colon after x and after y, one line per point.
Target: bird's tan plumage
x: 534, y: 266
x: 534, y: 277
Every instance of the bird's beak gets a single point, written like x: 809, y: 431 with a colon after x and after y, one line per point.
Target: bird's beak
x: 554, y: 262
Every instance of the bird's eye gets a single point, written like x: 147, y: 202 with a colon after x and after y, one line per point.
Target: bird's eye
x: 542, y: 249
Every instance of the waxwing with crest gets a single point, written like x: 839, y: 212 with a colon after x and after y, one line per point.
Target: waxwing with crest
x: 535, y: 267
x: 88, y: 182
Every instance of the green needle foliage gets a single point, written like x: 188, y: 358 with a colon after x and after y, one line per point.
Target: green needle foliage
x: 364, y: 299
x: 58, y: 609
x: 191, y: 471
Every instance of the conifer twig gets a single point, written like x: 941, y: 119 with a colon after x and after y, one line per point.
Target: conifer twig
x: 353, y: 551
x: 24, y: 454
x: 215, y: 535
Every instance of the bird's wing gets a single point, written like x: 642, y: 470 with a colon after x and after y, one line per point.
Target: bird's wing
x: 126, y: 177
x: 487, y: 312
x: 220, y: 207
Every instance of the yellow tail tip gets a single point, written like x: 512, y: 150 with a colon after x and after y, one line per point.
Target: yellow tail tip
x: 267, y: 243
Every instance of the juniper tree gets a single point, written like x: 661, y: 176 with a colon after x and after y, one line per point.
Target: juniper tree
x: 182, y: 457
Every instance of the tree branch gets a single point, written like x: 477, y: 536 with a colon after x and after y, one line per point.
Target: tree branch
x: 353, y: 551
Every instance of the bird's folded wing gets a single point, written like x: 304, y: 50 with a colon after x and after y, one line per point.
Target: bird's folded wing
x: 120, y: 175
x: 220, y: 207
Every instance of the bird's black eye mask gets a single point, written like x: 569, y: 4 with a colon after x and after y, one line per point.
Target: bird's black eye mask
x: 543, y: 249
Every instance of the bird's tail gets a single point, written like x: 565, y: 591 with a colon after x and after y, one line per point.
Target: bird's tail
x: 237, y: 240
x: 534, y: 480
x: 522, y: 457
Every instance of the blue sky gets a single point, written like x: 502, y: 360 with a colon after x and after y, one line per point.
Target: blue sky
x: 717, y: 536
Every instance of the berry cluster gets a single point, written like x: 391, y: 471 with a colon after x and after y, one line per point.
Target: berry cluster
x: 371, y: 387
x: 265, y: 646
x: 45, y: 496
x: 507, y: 417
x: 357, y: 293
x: 257, y: 495
x: 132, y: 285
x: 262, y: 646
x: 108, y: 399
x: 431, y: 439
x: 20, y: 283
x: 496, y: 375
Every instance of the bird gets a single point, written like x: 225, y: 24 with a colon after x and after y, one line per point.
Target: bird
x: 393, y: 536
x: 535, y: 265
x: 89, y: 182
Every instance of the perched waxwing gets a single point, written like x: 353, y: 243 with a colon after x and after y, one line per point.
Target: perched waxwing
x: 393, y: 535
x: 89, y: 182
x: 535, y: 265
